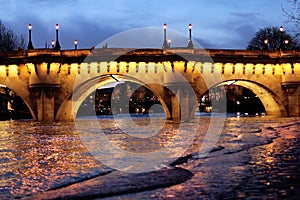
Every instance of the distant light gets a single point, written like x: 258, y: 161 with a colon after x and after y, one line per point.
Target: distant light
x: 281, y: 29
x: 190, y: 26
x: 169, y: 41
x: 52, y: 42
x: 286, y: 41
x: 29, y: 26
x: 75, y: 44
x: 56, y: 26
x: 266, y: 41
x: 165, y: 26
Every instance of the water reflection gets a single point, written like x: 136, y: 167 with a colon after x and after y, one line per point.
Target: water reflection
x: 253, y: 157
x: 36, y: 157
x: 260, y: 160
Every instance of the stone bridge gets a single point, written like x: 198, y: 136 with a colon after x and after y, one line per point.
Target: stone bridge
x: 53, y: 83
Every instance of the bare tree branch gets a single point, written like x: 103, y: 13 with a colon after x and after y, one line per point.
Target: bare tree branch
x: 9, y: 40
x: 293, y: 16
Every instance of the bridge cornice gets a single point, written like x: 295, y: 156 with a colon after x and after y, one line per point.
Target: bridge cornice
x: 148, y: 55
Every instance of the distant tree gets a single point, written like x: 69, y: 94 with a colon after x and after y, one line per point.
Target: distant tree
x: 293, y: 16
x: 9, y: 40
x: 271, y: 38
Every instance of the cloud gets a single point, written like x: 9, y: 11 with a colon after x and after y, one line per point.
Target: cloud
x: 217, y: 24
x: 205, y: 43
x: 246, y: 15
x: 88, y: 33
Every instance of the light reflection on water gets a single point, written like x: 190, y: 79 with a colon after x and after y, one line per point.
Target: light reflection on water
x: 260, y: 160
x: 35, y: 157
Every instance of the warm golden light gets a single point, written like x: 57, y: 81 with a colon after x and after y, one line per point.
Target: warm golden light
x: 56, y: 26
x: 266, y: 41
x: 2, y: 71
x: 190, y: 26
x: 30, y: 67
x: 165, y: 26
x: 29, y: 26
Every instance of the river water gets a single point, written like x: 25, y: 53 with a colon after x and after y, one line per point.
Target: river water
x: 253, y: 158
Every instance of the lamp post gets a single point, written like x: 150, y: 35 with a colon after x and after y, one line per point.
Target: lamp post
x: 286, y: 42
x: 169, y: 42
x: 57, y: 45
x: 75, y: 44
x: 190, y: 44
x: 281, y: 37
x: 30, y: 46
x: 165, y: 44
x: 266, y: 44
x: 52, y: 43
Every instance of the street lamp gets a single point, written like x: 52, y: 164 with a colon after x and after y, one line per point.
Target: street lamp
x: 169, y: 42
x: 190, y: 44
x: 281, y: 29
x: 266, y: 44
x: 75, y: 44
x: 52, y: 43
x: 30, y: 46
x: 286, y: 42
x: 165, y: 44
x: 57, y: 45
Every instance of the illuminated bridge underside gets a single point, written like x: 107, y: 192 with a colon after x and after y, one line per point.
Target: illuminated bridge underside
x: 53, y: 83
x: 267, y: 98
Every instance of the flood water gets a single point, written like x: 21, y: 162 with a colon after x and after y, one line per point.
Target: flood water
x: 254, y: 158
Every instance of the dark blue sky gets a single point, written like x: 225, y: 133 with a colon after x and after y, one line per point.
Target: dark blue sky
x: 216, y: 23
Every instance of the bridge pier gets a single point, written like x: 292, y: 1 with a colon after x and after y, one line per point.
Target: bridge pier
x: 293, y: 99
x: 182, y: 103
x: 44, y: 102
x: 43, y: 83
x: 175, y: 107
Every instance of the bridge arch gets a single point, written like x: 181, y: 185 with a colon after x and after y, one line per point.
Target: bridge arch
x: 273, y: 103
x: 23, y: 93
x: 84, y: 89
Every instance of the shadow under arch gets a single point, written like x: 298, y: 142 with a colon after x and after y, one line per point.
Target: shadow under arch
x: 84, y: 89
x: 272, y: 104
x: 24, y: 96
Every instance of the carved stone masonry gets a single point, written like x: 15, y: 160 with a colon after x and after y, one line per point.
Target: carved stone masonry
x: 290, y: 88
x: 50, y: 91
x: 35, y: 93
